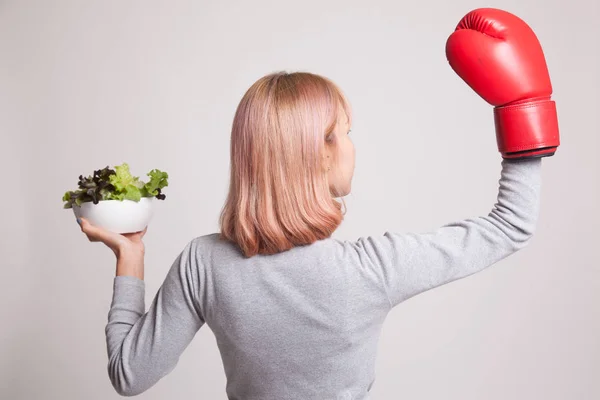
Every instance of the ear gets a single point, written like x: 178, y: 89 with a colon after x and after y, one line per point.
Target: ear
x: 326, y: 161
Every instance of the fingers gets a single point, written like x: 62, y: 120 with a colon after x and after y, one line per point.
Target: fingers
x: 136, y: 236
x: 97, y: 234
x: 90, y: 230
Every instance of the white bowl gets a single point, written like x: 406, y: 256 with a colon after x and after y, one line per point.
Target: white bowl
x: 117, y: 216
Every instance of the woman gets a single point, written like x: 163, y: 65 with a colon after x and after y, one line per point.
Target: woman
x: 296, y: 313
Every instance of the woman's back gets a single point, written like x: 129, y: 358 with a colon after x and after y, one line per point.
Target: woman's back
x: 299, y: 324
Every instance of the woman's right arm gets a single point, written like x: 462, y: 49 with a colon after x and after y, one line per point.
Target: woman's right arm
x: 412, y: 263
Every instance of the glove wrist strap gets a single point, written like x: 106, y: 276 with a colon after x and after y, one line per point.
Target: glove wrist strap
x: 525, y: 128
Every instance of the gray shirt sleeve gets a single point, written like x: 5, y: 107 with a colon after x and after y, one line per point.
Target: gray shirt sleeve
x: 144, y: 346
x: 411, y: 263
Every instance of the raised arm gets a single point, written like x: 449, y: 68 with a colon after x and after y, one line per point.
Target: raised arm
x: 411, y: 263
x: 499, y: 56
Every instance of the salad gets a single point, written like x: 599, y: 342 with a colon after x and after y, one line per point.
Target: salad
x: 116, y: 184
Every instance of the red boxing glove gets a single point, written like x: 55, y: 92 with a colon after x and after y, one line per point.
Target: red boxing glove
x: 499, y: 57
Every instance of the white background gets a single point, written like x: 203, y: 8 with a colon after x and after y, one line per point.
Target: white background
x: 86, y: 84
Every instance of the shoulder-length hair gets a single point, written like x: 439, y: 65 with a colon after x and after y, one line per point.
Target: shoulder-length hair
x: 279, y: 194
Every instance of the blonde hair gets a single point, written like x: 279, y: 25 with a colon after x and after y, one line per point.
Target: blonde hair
x: 279, y: 194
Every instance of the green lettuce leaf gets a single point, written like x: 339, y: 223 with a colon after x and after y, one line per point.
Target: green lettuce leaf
x: 127, y: 186
x: 117, y: 184
x: 158, y: 180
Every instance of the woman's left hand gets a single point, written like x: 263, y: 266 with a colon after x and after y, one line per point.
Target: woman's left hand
x: 127, y: 243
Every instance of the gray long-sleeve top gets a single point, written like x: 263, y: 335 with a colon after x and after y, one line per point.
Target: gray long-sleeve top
x: 304, y: 324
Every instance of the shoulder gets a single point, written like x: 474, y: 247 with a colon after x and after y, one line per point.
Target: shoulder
x: 206, y: 248
x: 368, y: 242
x: 205, y: 240
x: 202, y: 244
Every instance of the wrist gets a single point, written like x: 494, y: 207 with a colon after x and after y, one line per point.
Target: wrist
x: 129, y: 251
x: 130, y: 263
x: 527, y: 128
